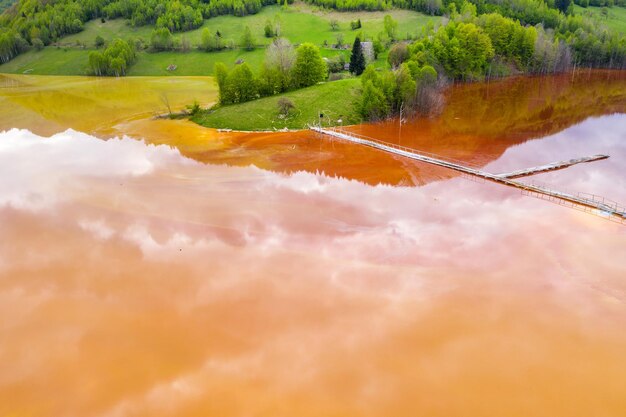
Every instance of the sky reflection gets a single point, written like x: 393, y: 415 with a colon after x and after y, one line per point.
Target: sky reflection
x: 145, y: 283
x: 136, y: 280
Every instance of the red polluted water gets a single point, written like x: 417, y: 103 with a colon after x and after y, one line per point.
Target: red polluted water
x: 157, y: 268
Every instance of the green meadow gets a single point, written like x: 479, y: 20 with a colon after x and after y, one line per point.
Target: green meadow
x: 615, y: 19
x: 298, y: 23
x: 337, y: 100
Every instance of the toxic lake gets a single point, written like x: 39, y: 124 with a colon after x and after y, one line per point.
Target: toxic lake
x: 155, y: 267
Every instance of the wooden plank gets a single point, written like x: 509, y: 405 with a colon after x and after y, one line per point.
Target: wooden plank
x: 551, y: 167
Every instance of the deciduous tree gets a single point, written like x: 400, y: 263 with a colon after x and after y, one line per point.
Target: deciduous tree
x: 247, y: 40
x: 309, y: 68
x: 391, y: 26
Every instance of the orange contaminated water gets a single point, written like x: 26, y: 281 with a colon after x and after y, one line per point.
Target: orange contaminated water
x: 158, y: 268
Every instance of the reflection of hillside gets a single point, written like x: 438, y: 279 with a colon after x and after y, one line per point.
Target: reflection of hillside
x: 480, y: 121
x: 93, y: 105
x: 529, y: 107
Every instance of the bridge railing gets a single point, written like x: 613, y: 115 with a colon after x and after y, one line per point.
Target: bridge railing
x: 586, y: 202
x: 593, y: 198
x: 405, y: 148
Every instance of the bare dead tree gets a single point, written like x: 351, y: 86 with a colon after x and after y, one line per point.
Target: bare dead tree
x: 280, y: 55
x: 165, y: 100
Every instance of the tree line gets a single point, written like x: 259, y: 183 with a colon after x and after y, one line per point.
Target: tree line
x: 589, y: 43
x: 473, y: 46
x: 114, y: 60
x: 600, y: 3
x: 401, y: 91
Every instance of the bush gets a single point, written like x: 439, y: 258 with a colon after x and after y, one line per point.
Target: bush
x: 373, y: 103
x: 336, y: 64
x: 211, y: 41
x: 193, y: 108
x: 162, y: 40
x: 247, y: 41
x: 391, y: 26
x: 269, y: 29
x: 285, y: 106
x: 379, y: 47
x: 339, y: 39
x: 337, y: 76
x: 37, y: 44
x: 398, y: 54
x: 99, y: 42
x: 236, y: 86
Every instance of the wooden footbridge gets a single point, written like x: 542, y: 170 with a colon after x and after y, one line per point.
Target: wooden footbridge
x: 586, y: 202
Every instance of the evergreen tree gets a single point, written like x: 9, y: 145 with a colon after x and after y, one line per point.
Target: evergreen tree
x: 357, y: 59
x: 269, y: 29
x: 562, y: 5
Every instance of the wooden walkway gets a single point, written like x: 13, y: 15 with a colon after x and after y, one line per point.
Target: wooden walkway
x: 551, y: 167
x: 594, y: 204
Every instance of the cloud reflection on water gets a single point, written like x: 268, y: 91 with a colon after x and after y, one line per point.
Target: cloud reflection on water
x: 144, y: 283
x: 135, y: 281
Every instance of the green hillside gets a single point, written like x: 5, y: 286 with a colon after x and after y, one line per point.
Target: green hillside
x: 336, y: 100
x: 614, y: 20
x: 299, y: 23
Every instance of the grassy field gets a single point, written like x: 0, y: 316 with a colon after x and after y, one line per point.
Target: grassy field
x: 48, y: 61
x: 202, y: 63
x: 192, y: 63
x: 299, y: 23
x: 616, y: 19
x: 70, y: 61
x: 337, y: 100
